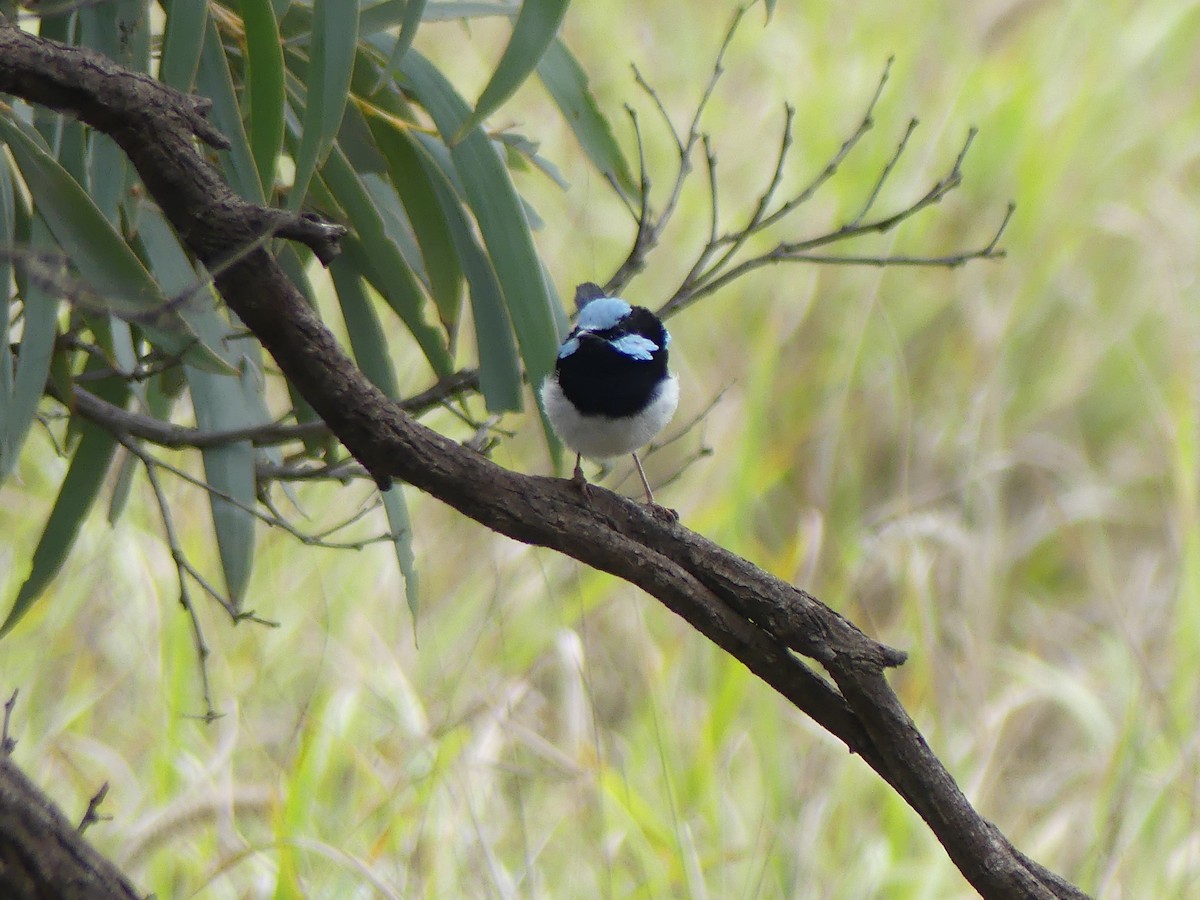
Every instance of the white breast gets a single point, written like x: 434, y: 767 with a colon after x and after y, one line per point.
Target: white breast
x: 599, y: 437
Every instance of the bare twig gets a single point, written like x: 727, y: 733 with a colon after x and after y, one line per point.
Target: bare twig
x: 7, y: 741
x: 182, y: 570
x: 92, y: 814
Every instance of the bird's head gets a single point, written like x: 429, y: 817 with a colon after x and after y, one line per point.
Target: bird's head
x: 631, y: 331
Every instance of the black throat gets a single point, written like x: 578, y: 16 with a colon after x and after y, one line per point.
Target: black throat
x: 601, y: 381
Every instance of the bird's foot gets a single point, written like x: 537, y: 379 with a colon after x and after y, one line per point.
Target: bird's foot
x: 664, y: 513
x: 580, y: 480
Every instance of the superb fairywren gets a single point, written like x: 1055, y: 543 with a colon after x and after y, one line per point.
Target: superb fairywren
x: 611, y: 392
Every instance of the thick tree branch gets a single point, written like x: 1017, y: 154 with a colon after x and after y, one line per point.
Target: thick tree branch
x: 753, y: 615
x: 44, y: 855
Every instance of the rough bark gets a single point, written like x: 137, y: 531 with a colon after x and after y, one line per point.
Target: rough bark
x: 44, y: 856
x: 758, y: 618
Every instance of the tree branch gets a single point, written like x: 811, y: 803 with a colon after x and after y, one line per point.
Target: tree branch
x: 753, y: 615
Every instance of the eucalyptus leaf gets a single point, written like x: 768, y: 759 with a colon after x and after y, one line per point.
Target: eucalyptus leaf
x: 535, y: 27
x: 114, y: 277
x: 567, y: 83
x: 536, y: 316
x: 264, y: 87
x: 400, y: 523
x: 187, y: 21
x: 331, y: 65
x: 79, y: 491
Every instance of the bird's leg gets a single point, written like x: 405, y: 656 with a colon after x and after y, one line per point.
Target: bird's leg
x: 646, y: 484
x: 661, y: 512
x: 579, y: 479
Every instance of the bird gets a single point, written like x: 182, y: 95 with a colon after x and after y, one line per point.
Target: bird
x: 611, y: 391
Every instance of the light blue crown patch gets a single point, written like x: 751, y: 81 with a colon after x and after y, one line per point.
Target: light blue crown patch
x: 603, y: 313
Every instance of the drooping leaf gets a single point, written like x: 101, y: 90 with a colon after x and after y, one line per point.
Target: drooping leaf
x: 221, y: 402
x: 499, y: 364
x: 410, y: 179
x: 400, y: 523
x: 187, y: 22
x: 214, y: 81
x: 264, y: 87
x: 535, y: 27
x: 80, y: 488
x: 362, y: 324
x: 385, y: 266
x: 20, y: 390
x: 331, y: 65
x: 536, y: 317
x: 413, y: 11
x: 108, y: 267
x: 390, y: 13
x: 567, y: 83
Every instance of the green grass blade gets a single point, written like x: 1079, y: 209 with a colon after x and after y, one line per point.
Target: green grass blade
x: 536, y: 316
x: 187, y: 21
x: 567, y: 83
x: 80, y: 488
x: 264, y: 88
x: 331, y: 64
x: 535, y: 28
x: 396, y: 507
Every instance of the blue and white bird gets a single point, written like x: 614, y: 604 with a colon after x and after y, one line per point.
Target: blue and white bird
x: 611, y: 392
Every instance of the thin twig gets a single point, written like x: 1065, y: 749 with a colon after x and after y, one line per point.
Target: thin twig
x: 7, y: 742
x: 181, y: 570
x: 887, y: 171
x: 92, y: 814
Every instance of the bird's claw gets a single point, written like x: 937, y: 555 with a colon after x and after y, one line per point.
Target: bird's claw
x: 665, y: 513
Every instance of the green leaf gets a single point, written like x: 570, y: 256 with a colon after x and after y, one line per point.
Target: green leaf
x: 362, y: 324
x: 536, y: 316
x: 382, y: 16
x: 331, y: 64
x: 213, y: 81
x: 400, y: 524
x: 108, y: 266
x: 535, y: 28
x: 413, y: 11
x: 264, y: 87
x: 187, y: 22
x: 411, y: 180
x: 499, y: 365
x: 567, y: 83
x: 229, y: 469
x: 108, y: 170
x: 20, y: 391
x: 384, y: 265
x: 221, y: 401
x: 78, y: 493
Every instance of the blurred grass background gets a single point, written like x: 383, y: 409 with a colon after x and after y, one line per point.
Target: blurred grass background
x: 994, y: 467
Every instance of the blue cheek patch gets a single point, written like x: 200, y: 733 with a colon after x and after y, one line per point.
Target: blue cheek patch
x: 570, y: 345
x: 603, y: 313
x: 635, y: 346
